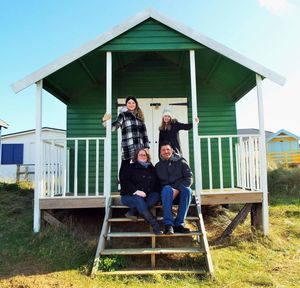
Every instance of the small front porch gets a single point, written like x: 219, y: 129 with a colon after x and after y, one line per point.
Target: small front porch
x: 73, y: 174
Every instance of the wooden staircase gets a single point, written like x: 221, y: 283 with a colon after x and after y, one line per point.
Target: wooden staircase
x: 107, y: 233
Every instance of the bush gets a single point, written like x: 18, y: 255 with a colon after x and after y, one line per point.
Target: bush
x: 112, y: 263
x: 284, y: 180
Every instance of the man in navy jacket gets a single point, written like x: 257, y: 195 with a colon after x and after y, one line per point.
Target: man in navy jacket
x: 175, y: 176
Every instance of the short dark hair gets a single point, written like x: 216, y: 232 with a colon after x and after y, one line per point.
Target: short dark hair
x: 166, y: 143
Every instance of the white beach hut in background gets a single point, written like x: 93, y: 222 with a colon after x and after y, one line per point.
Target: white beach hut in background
x: 18, y: 153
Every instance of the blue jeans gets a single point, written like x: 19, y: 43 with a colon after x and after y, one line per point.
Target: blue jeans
x: 140, y: 203
x: 183, y: 198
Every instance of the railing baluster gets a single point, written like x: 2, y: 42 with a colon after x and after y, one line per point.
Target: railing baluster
x: 257, y: 164
x: 87, y: 167
x: 52, y: 169
x: 97, y: 168
x: 237, y: 164
x: 76, y: 169
x: 64, y: 167
x: 251, y: 159
x: 220, y: 162
x: 243, y: 176
x: 209, y: 164
x: 231, y: 163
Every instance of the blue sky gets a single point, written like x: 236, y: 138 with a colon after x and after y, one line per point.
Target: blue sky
x: 36, y: 32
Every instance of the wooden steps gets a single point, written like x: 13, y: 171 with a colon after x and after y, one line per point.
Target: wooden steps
x: 150, y: 234
x: 180, y: 271
x: 188, y: 218
x: 116, y: 229
x: 151, y: 251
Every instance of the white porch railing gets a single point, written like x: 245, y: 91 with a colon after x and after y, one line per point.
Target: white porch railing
x: 72, y: 167
x: 230, y: 161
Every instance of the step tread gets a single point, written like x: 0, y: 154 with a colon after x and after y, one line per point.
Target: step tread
x: 150, y: 234
x: 149, y: 251
x: 153, y: 271
x: 120, y: 206
x: 124, y: 219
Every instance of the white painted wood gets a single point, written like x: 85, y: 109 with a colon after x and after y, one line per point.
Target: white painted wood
x: 263, y: 159
x: 231, y: 163
x: 37, y: 176
x: 257, y: 163
x: 52, y: 169
x: 97, y: 168
x: 153, y: 118
x: 220, y: 163
x: 246, y: 145
x: 251, y: 162
x: 243, y: 167
x: 127, y: 25
x: 196, y: 144
x: 238, y: 165
x: 64, y: 168
x: 209, y: 164
x: 87, y: 168
x: 76, y: 168
x: 107, y: 145
x: 68, y: 170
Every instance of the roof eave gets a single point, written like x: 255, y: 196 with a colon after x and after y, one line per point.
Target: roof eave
x: 127, y: 25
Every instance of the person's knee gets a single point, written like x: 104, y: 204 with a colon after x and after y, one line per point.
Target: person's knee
x: 167, y: 190
x: 186, y: 191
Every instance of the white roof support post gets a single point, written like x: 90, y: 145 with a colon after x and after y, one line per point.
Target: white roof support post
x: 38, y: 154
x: 263, y: 158
x: 196, y: 141
x: 107, y: 147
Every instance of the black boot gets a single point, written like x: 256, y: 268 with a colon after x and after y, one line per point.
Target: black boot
x: 147, y: 215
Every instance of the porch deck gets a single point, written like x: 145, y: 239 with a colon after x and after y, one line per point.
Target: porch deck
x: 208, y: 197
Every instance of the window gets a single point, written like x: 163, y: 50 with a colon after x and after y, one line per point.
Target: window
x: 12, y: 154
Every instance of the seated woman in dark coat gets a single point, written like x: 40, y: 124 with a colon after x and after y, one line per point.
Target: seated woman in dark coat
x: 140, y: 188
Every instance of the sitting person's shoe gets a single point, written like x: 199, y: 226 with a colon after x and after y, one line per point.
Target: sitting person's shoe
x: 181, y: 229
x: 132, y: 214
x: 168, y: 229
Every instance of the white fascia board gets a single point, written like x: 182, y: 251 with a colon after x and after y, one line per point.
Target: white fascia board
x: 222, y: 49
x: 127, y: 25
x: 79, y: 52
x: 3, y: 124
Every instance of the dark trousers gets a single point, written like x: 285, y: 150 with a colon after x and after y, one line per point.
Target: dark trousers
x: 140, y: 203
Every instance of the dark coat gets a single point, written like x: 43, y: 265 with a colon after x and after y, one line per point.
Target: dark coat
x: 172, y: 135
x: 137, y: 177
x: 134, y: 134
x: 174, y: 172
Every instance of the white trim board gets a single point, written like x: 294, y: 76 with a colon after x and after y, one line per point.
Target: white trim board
x: 127, y: 25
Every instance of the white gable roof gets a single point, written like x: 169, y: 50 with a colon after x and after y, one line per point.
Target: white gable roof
x: 127, y: 25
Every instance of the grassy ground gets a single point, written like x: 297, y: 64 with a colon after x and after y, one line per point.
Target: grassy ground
x: 60, y: 259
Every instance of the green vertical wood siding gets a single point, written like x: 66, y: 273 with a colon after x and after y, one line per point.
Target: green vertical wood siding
x: 150, y: 36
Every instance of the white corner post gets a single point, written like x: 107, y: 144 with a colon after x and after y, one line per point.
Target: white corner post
x: 263, y: 158
x: 196, y: 142
x: 107, y: 146
x: 38, y: 154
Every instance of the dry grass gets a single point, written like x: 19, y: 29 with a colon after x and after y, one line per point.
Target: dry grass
x: 62, y: 259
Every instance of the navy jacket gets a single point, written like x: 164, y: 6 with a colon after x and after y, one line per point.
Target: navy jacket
x: 174, y: 172
x: 136, y: 177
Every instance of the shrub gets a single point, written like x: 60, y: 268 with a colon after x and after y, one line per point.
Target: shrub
x: 284, y: 180
x: 112, y: 263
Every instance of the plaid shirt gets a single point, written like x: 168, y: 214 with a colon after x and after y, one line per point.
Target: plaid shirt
x: 134, y: 134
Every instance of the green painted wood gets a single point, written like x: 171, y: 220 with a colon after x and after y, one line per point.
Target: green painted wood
x: 152, y: 75
x: 150, y: 35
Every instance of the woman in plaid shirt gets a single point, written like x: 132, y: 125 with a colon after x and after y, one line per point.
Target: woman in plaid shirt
x: 134, y: 133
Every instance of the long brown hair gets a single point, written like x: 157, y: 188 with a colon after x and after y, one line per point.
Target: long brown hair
x: 164, y: 126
